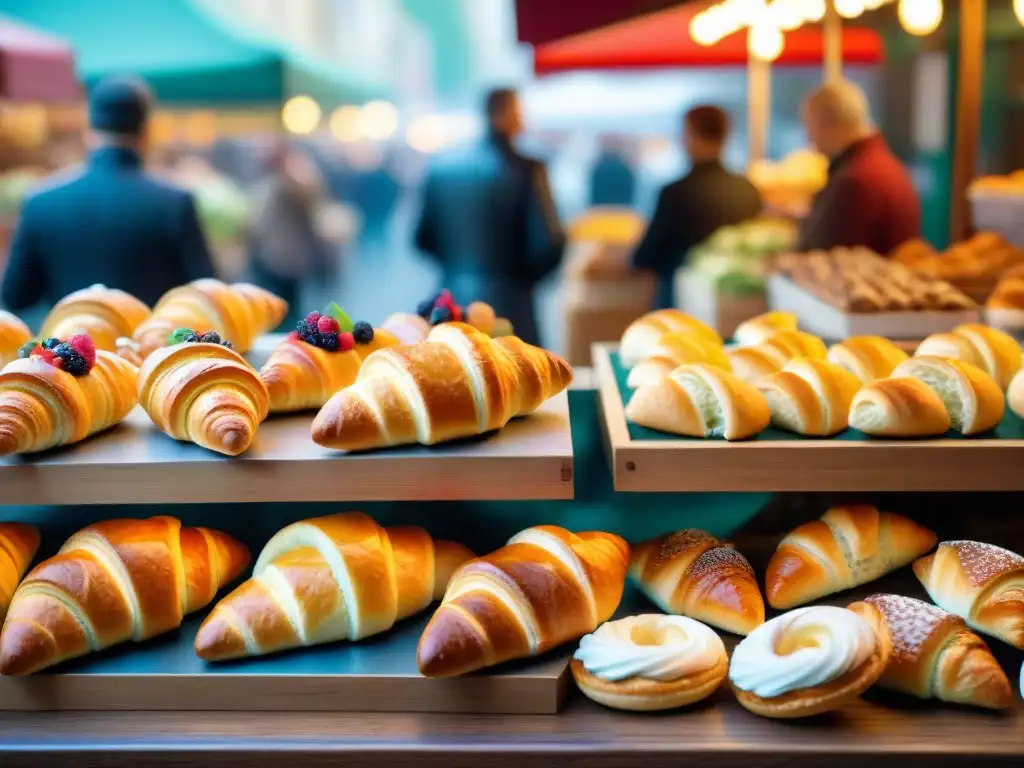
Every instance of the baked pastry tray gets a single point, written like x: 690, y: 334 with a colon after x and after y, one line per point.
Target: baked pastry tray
x: 646, y: 460
x: 378, y: 674
x: 828, y: 321
x: 135, y: 463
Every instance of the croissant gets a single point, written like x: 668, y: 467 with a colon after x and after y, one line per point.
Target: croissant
x: 547, y: 586
x: 671, y: 351
x: 981, y: 583
x: 300, y: 376
x: 700, y: 401
x: 111, y: 582
x: 934, y: 654
x: 995, y: 352
x: 847, y: 547
x: 103, y: 314
x: 406, y: 327
x: 458, y: 383
x: 693, y: 574
x: 1015, y: 394
x: 43, y: 407
x: 339, y: 577
x: 810, y: 397
x: 204, y: 393
x: 13, y: 335
x: 18, y: 545
x: 751, y: 364
x: 867, y: 357
x: 643, y: 335
x: 240, y: 313
x: 762, y: 327
x: 972, y: 398
x: 899, y: 408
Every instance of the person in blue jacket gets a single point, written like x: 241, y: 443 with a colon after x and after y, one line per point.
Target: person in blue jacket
x: 107, y: 222
x: 612, y: 179
x: 489, y: 220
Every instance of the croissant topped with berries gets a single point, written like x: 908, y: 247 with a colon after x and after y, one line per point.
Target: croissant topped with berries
x: 13, y: 334
x: 205, y: 393
x: 412, y: 329
x: 104, y: 314
x: 457, y: 383
x: 322, y: 357
x: 61, y: 394
x: 240, y: 312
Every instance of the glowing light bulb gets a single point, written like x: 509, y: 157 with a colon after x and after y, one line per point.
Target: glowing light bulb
x: 702, y: 29
x: 849, y: 9
x: 300, y: 115
x: 920, y: 17
x: 1018, y: 9
x: 785, y: 14
x: 812, y: 10
x: 345, y: 124
x: 765, y: 42
x: 873, y: 5
x: 379, y: 120
x: 425, y: 134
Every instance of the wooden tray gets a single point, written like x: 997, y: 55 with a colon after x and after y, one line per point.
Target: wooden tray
x: 378, y: 674
x: 135, y: 463
x: 645, y: 460
x: 830, y: 322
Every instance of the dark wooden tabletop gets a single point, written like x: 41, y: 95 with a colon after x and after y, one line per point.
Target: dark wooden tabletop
x: 881, y: 730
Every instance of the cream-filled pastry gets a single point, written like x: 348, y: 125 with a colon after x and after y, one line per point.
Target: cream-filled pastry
x: 807, y: 661
x: 650, y: 662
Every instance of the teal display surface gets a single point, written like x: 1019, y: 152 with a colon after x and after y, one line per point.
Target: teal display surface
x: 1011, y: 427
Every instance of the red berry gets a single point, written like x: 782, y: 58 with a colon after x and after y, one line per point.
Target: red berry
x: 346, y: 341
x: 456, y: 313
x: 327, y: 325
x: 47, y: 356
x: 293, y: 336
x: 57, y: 362
x: 83, y: 345
x: 313, y: 318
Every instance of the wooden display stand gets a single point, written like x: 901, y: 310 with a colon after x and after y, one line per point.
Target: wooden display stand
x: 645, y: 460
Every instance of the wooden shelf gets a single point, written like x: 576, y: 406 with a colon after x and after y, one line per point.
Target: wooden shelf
x: 643, y: 460
x: 378, y: 674
x: 135, y: 463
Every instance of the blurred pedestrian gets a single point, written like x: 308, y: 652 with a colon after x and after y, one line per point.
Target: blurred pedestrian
x: 869, y: 199
x: 691, y: 209
x: 107, y: 222
x: 489, y: 219
x: 612, y: 179
x: 286, y: 248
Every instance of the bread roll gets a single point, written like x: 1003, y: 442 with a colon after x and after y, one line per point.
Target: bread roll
x: 899, y: 408
x: 972, y: 397
x: 762, y: 327
x: 810, y: 397
x: 867, y: 357
x: 1015, y: 394
x: 673, y: 350
x: 644, y: 334
x: 995, y: 352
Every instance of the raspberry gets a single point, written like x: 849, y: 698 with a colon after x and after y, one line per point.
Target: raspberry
x: 313, y: 318
x: 46, y: 355
x: 456, y: 311
x: 328, y: 342
x: 83, y: 345
x: 362, y: 333
x: 57, y: 362
x: 327, y: 325
x: 346, y: 342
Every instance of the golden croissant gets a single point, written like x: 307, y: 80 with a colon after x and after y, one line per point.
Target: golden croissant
x: 204, y: 393
x: 43, y: 407
x: 103, y: 314
x: 18, y: 545
x: 458, y: 383
x: 112, y: 582
x: 299, y: 375
x: 13, y: 334
x: 339, y: 577
x: 239, y: 312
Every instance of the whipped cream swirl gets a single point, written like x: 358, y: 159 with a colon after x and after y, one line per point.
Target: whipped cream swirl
x: 801, y: 649
x: 651, y: 646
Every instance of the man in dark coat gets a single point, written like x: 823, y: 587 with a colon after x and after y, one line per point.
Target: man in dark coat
x: 691, y: 209
x: 869, y: 199
x: 108, y: 222
x: 490, y: 222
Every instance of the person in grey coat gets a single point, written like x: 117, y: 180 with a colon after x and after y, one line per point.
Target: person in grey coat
x: 489, y: 219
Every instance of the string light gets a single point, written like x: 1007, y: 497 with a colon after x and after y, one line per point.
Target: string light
x: 379, y: 120
x: 1018, y: 9
x: 702, y: 29
x: 920, y: 17
x: 785, y: 14
x: 812, y: 10
x: 300, y: 115
x: 345, y: 124
x: 765, y: 42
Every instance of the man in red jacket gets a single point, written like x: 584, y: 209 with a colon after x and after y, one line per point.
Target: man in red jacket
x: 869, y: 199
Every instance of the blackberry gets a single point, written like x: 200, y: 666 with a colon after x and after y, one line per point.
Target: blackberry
x: 193, y: 338
x: 424, y: 308
x: 51, y: 343
x: 228, y: 344
x: 305, y: 328
x: 75, y: 364
x: 328, y: 342
x: 310, y: 337
x: 64, y: 350
x: 210, y: 337
x: 362, y: 333
x: 440, y: 315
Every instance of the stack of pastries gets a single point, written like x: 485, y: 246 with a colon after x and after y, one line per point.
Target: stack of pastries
x: 686, y: 383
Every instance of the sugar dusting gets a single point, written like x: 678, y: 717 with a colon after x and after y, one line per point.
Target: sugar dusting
x: 671, y: 545
x: 719, y: 557
x: 983, y: 562
x: 911, y: 622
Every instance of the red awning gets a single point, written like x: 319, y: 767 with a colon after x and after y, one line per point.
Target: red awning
x: 541, y: 21
x: 663, y: 39
x: 35, y: 66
